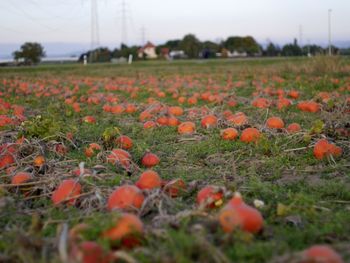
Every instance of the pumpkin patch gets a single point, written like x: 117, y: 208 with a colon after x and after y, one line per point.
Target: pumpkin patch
x: 173, y: 161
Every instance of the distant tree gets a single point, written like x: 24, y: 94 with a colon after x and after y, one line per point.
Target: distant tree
x: 171, y: 44
x: 335, y: 50
x: 313, y: 50
x: 125, y: 51
x: 210, y: 49
x: 345, y: 51
x: 191, y: 46
x: 242, y: 44
x: 103, y: 54
x: 292, y: 49
x: 99, y: 55
x: 252, y: 47
x: 272, y: 50
x: 211, y: 45
x: 123, y: 46
x: 115, y: 53
x: 159, y: 48
x: 31, y: 52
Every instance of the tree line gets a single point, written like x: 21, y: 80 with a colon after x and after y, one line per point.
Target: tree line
x: 192, y: 47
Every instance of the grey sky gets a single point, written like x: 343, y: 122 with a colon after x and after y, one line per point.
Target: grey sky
x: 69, y: 20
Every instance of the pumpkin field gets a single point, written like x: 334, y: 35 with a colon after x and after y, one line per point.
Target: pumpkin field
x: 197, y: 161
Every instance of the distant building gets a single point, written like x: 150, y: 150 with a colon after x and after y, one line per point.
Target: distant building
x: 164, y: 53
x: 118, y: 60
x: 225, y: 53
x: 148, y: 51
x: 174, y: 54
x: 235, y: 54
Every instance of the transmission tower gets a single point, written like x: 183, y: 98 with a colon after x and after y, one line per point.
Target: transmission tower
x: 124, y: 28
x: 329, y: 33
x: 143, y: 35
x: 95, y: 34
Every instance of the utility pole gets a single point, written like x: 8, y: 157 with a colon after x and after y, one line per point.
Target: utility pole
x: 329, y: 33
x: 124, y: 24
x: 300, y: 35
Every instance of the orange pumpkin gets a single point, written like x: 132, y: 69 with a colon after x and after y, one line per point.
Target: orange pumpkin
x: 275, y: 123
x: 149, y: 180
x: 89, y: 119
x: 163, y: 121
x: 20, y: 178
x: 145, y: 115
x: 308, y: 106
x: 322, y: 254
x: 176, y: 111
x: 120, y: 157
x: 210, y: 196
x: 92, y: 149
x: 124, y: 142
x: 125, y: 197
x: 149, y: 125
x: 261, y: 103
x: 293, y: 94
x: 186, y: 128
x: 229, y: 134
x: 150, y: 160
x: 250, y: 135
x: 238, y: 119
x: 39, y: 161
x: 237, y: 214
x: 174, y: 187
x: 209, y: 121
x: 66, y: 192
x: 293, y: 128
x: 323, y: 148
x: 172, y: 121
x: 192, y: 100
x: 89, y: 252
x: 126, y: 232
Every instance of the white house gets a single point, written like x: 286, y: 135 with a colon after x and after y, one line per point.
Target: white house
x: 148, y: 51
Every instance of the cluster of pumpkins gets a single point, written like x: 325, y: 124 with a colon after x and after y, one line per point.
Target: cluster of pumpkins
x: 128, y: 229
x: 128, y: 199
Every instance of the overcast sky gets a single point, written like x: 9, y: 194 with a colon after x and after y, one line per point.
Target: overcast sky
x: 69, y: 21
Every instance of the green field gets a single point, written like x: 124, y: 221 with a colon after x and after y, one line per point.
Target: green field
x: 306, y: 200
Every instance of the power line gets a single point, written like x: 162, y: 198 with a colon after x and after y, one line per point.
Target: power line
x: 38, y: 7
x: 28, y: 16
x: 11, y: 30
x: 24, y: 13
x: 52, y: 15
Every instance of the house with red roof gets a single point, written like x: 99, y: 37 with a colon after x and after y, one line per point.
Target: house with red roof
x: 148, y: 51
